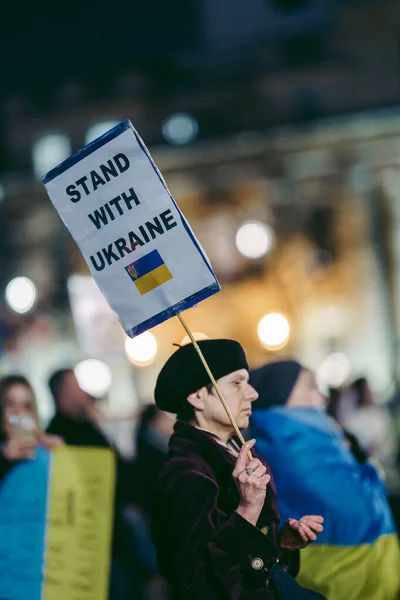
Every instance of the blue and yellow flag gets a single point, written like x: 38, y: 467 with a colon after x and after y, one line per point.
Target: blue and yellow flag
x: 56, y: 515
x: 357, y: 555
x: 148, y: 272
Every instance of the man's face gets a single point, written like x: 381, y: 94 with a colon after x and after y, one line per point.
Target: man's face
x: 306, y: 393
x: 238, y: 394
x: 73, y: 401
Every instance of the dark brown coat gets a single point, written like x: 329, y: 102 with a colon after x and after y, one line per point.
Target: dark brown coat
x: 205, y: 549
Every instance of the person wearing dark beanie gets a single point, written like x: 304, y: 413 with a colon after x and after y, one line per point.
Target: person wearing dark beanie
x: 215, y: 517
x: 314, y: 468
x: 275, y: 382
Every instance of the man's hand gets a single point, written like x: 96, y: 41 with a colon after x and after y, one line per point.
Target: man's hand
x: 298, y: 534
x: 252, y: 482
x: 19, y: 449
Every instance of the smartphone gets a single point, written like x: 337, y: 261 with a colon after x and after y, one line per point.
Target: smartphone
x: 23, y: 428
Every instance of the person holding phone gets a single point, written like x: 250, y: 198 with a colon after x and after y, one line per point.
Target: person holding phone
x: 20, y: 432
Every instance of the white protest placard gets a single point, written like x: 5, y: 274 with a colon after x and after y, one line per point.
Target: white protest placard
x: 138, y: 245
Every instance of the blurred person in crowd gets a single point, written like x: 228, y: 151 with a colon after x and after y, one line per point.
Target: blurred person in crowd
x: 215, y: 518
x: 314, y: 467
x: 76, y: 418
x: 20, y: 432
x: 357, y: 411
x: 78, y: 421
x: 154, y: 429
x: 351, y: 441
x: 153, y: 433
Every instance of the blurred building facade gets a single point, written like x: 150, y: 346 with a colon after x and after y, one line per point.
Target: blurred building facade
x: 299, y: 131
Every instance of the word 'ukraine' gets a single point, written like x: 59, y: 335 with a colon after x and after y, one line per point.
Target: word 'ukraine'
x: 125, y: 245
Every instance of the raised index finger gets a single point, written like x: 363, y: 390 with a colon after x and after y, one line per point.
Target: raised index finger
x: 242, y: 460
x: 315, y: 518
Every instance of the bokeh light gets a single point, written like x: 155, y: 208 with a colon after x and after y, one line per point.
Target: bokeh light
x: 21, y: 294
x: 255, y: 239
x: 180, y: 129
x: 49, y: 151
x: 334, y: 370
x: 141, y: 350
x: 94, y: 377
x: 97, y: 129
x: 273, y: 331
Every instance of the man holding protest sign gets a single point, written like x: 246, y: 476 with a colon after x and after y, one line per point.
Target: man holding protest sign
x: 215, y: 521
x: 216, y: 517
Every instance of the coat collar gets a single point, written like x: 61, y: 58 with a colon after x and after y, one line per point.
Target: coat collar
x: 189, y: 441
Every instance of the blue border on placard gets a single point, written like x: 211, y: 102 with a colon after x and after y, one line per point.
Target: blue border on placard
x: 87, y: 150
x: 174, y: 310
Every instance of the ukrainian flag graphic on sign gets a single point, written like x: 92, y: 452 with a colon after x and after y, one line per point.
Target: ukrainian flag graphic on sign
x: 149, y: 272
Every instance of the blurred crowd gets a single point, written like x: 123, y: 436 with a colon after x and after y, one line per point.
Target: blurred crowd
x: 78, y: 422
x: 368, y: 429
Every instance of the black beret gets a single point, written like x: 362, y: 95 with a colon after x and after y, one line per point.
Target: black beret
x: 274, y: 382
x: 184, y: 373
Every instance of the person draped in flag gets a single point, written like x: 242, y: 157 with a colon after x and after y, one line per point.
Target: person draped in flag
x: 216, y: 525
x: 314, y: 467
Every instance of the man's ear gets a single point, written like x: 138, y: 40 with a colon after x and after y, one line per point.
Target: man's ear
x: 197, y: 398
